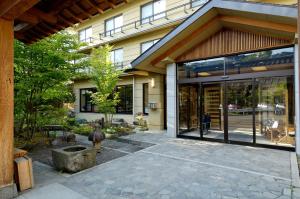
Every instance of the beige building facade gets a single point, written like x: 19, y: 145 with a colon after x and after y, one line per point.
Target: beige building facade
x: 131, y: 29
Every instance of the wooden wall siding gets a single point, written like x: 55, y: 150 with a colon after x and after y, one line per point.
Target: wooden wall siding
x: 229, y: 41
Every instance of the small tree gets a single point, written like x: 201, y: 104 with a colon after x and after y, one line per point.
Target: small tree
x: 105, y: 76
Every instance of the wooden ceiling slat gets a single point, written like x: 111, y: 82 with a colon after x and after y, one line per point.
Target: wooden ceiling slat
x: 19, y: 9
x: 82, y: 10
x: 94, y: 6
x: 63, y: 19
x: 29, y: 18
x: 69, y: 12
x: 42, y: 18
x: 49, y: 27
x: 6, y: 5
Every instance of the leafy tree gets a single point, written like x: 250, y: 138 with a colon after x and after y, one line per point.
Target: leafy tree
x: 105, y: 76
x: 43, y: 71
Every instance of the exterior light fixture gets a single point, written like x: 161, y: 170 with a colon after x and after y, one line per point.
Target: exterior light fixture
x: 259, y: 68
x: 152, y: 82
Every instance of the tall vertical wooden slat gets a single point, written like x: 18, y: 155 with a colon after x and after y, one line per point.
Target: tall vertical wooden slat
x: 228, y: 41
x: 6, y: 102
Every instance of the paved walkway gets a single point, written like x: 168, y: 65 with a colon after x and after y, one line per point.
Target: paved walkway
x: 176, y: 168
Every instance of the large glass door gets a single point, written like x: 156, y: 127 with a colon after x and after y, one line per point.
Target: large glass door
x: 240, y: 107
x: 212, y: 113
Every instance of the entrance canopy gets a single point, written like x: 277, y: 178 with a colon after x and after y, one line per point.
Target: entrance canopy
x: 223, y: 27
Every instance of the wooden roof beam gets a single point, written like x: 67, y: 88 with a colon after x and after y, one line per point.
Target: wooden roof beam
x: 42, y: 31
x: 94, y: 6
x: 83, y: 11
x: 29, y: 18
x: 49, y: 27
x: 44, y: 16
x: 19, y: 9
x: 259, y: 23
x: 185, y: 40
x: 62, y: 18
x: 73, y: 15
x: 6, y: 5
x: 113, y: 6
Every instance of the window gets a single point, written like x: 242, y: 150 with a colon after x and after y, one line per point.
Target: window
x: 85, y: 35
x: 152, y: 11
x: 113, y: 25
x: 195, y: 3
x: 147, y: 44
x: 126, y: 99
x: 145, y: 99
x: 116, y: 57
x: 85, y: 100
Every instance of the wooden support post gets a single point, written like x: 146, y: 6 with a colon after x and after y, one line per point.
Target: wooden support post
x: 6, y: 108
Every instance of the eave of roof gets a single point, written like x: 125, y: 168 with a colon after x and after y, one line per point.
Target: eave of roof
x: 234, y: 5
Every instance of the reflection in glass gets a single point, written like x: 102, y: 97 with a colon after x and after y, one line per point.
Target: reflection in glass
x: 203, y: 68
x: 212, y: 106
x: 275, y: 111
x: 240, y: 110
x: 270, y: 60
x: 188, y: 110
x: 278, y: 59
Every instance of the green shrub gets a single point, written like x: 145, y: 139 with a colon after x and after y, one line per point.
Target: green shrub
x: 83, y: 129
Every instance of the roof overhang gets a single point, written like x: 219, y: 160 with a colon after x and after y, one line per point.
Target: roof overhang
x: 36, y: 19
x: 268, y: 19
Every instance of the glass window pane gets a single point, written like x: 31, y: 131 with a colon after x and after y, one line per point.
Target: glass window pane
x: 118, y: 23
x: 188, y: 110
x: 147, y: 12
x: 112, y: 56
x: 146, y: 45
x: 118, y: 59
x: 278, y: 59
x: 275, y: 111
x: 145, y: 98
x: 109, y: 25
x: 203, y: 68
x: 159, y: 7
x: 126, y: 99
x: 82, y: 35
x: 88, y: 33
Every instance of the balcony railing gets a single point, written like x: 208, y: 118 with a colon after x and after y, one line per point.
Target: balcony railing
x: 87, y: 40
x: 168, y: 15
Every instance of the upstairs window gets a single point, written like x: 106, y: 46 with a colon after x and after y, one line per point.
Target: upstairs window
x: 146, y: 45
x: 116, y: 57
x: 152, y: 11
x: 195, y: 3
x: 85, y: 35
x: 113, y: 25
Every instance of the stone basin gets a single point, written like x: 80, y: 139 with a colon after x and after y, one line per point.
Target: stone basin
x: 72, y: 159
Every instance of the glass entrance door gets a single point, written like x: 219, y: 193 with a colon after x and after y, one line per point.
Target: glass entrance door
x: 212, y: 113
x: 240, y: 109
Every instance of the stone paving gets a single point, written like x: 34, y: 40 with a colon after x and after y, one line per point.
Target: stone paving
x: 176, y: 168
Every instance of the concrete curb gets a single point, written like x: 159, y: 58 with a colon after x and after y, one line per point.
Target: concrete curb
x: 294, y: 170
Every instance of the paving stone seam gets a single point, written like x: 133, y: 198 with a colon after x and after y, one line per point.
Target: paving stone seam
x: 115, y: 149
x: 294, y: 170
x: 216, y: 165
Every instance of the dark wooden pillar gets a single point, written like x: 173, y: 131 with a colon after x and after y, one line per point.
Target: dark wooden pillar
x: 6, y: 107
